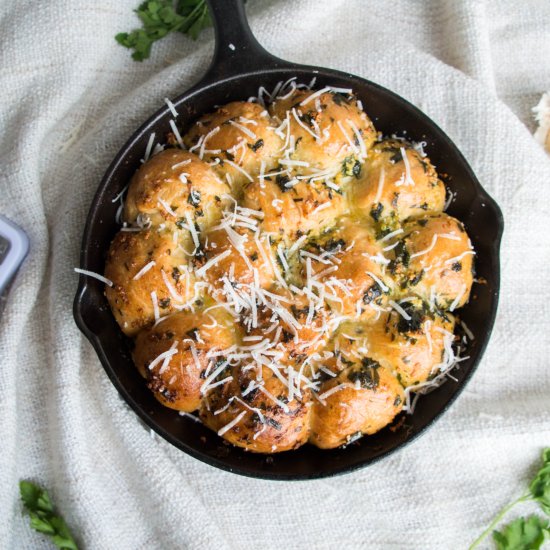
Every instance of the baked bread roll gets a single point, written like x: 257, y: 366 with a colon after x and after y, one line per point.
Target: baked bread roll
x: 151, y: 278
x: 175, y: 355
x: 329, y: 131
x: 174, y: 187
x: 236, y: 139
x: 398, y: 183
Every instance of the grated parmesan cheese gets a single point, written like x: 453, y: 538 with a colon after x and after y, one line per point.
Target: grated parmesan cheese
x: 172, y: 107
x: 94, y: 275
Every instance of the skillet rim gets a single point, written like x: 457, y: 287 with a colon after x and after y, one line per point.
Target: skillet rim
x: 285, y: 69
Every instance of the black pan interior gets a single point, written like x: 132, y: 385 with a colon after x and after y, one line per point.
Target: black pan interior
x: 391, y: 114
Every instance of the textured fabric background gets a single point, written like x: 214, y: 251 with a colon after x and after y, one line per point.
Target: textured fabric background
x: 70, y: 97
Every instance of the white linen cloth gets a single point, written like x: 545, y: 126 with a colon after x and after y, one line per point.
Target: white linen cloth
x: 71, y: 96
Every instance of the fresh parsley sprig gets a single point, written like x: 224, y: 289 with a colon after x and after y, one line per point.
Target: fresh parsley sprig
x: 162, y: 17
x: 525, y: 533
x: 522, y: 533
x: 43, y: 518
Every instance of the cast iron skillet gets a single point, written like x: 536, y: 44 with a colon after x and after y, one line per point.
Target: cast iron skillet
x: 239, y: 67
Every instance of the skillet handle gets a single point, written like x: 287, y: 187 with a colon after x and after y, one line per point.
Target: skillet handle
x: 236, y: 49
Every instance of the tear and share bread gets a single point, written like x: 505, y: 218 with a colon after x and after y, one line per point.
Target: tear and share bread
x: 292, y: 276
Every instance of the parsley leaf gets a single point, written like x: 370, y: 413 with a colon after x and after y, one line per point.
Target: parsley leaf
x: 162, y: 17
x: 540, y: 486
x: 42, y: 516
x: 523, y: 534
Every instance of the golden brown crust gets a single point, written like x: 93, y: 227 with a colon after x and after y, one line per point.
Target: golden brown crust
x: 168, y: 277
x: 398, y: 182
x: 441, y: 258
x: 326, y: 129
x: 362, y: 399
x: 294, y: 330
x: 185, y: 339
x: 258, y: 398
x: 348, y: 265
x: 174, y: 185
x: 412, y: 349
x: 295, y: 210
x: 241, y: 133
x: 281, y: 212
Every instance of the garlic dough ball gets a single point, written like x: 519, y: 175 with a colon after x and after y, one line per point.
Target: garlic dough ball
x: 294, y: 326
x: 146, y: 268
x: 238, y: 137
x: 282, y: 215
x: 440, y: 265
x: 398, y: 183
x: 329, y: 131
x: 173, y: 356
x: 411, y: 345
x: 347, y: 262
x: 235, y: 256
x: 348, y: 342
x: 294, y: 210
x: 253, y: 411
x: 173, y: 186
x: 362, y: 399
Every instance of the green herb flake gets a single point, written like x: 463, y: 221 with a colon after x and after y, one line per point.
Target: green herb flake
x: 367, y: 374
x: 340, y: 99
x: 281, y: 180
x: 255, y: 146
x: 372, y: 293
x: 376, y: 211
x: 414, y: 323
x: 334, y: 245
x: 272, y: 422
x: 194, y: 197
x: 396, y: 156
x: 417, y: 278
x: 351, y: 167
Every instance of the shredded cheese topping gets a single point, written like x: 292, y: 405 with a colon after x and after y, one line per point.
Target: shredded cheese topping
x: 94, y: 275
x: 144, y: 270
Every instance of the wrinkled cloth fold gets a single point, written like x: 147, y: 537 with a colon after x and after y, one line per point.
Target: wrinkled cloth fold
x: 70, y: 98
